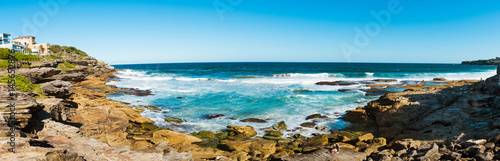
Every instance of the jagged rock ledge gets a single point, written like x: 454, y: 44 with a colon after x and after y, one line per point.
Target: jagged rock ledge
x: 454, y: 123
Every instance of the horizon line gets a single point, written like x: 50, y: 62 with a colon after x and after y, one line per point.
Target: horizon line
x: 276, y: 62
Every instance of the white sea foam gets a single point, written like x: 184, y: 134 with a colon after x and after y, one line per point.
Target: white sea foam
x: 302, y: 75
x: 296, y: 93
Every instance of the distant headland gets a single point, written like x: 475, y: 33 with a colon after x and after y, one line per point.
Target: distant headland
x: 494, y: 61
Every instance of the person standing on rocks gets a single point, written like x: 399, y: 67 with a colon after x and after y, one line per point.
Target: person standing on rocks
x: 335, y: 149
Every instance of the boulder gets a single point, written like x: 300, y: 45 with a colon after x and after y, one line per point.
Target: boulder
x: 385, y: 80
x: 280, y: 126
x: 355, y: 115
x: 81, y: 68
x: 143, y: 120
x: 213, y: 116
x: 487, y: 156
x: 142, y: 145
x: 273, y: 135
x: 205, y: 134
x: 37, y: 75
x: 57, y: 88
x: 431, y: 154
x: 489, y: 145
x: 337, y: 83
x: 241, y: 131
x: 158, y: 140
x: 474, y: 150
x: 259, y: 148
x: 256, y: 120
x: 72, y: 77
x: 106, y: 124
x: 473, y: 142
x: 452, y: 156
x: 177, y: 137
x: 313, y: 116
x: 59, y: 109
x: 308, y: 124
x: 406, y: 144
x: 315, y: 143
x: 365, y: 137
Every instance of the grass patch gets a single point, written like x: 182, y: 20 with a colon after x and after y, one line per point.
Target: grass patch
x: 65, y: 66
x: 4, y: 63
x: 25, y: 85
x: 51, y: 57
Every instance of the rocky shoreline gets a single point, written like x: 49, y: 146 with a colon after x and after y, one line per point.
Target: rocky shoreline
x: 71, y: 119
x: 459, y: 122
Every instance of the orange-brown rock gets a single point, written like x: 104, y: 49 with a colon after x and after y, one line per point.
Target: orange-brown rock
x: 106, y: 124
x: 176, y: 137
x: 258, y: 148
x: 242, y: 131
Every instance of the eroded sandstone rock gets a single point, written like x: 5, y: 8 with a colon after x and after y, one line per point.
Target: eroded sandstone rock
x: 241, y: 131
x: 37, y: 75
x: 176, y: 137
x: 57, y: 88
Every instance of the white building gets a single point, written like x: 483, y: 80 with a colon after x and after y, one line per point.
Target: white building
x: 8, y: 43
x: 5, y: 38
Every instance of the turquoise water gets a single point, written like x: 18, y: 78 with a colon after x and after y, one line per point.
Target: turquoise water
x: 269, y: 91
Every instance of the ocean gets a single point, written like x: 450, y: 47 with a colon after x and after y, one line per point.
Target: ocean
x: 270, y: 91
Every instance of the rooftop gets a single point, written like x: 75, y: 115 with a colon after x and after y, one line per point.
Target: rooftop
x: 23, y: 37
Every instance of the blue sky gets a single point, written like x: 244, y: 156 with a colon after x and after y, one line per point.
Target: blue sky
x: 164, y: 31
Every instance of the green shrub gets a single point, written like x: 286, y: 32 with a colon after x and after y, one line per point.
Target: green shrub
x: 70, y: 49
x: 65, y: 66
x: 51, y: 57
x: 4, y: 63
x: 55, y: 48
x: 4, y: 53
x: 79, y: 52
x: 25, y: 85
x: 25, y: 57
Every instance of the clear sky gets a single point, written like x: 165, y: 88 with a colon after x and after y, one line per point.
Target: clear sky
x: 164, y: 31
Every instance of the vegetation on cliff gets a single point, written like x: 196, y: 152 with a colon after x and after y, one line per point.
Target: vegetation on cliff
x: 494, y: 61
x: 23, y: 84
x: 57, y: 49
x: 65, y: 66
x: 4, y: 54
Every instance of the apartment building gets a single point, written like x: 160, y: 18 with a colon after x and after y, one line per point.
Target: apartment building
x: 6, y: 42
x: 5, y: 38
x: 27, y: 40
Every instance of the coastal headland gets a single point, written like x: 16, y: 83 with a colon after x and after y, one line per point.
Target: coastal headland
x: 63, y: 114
